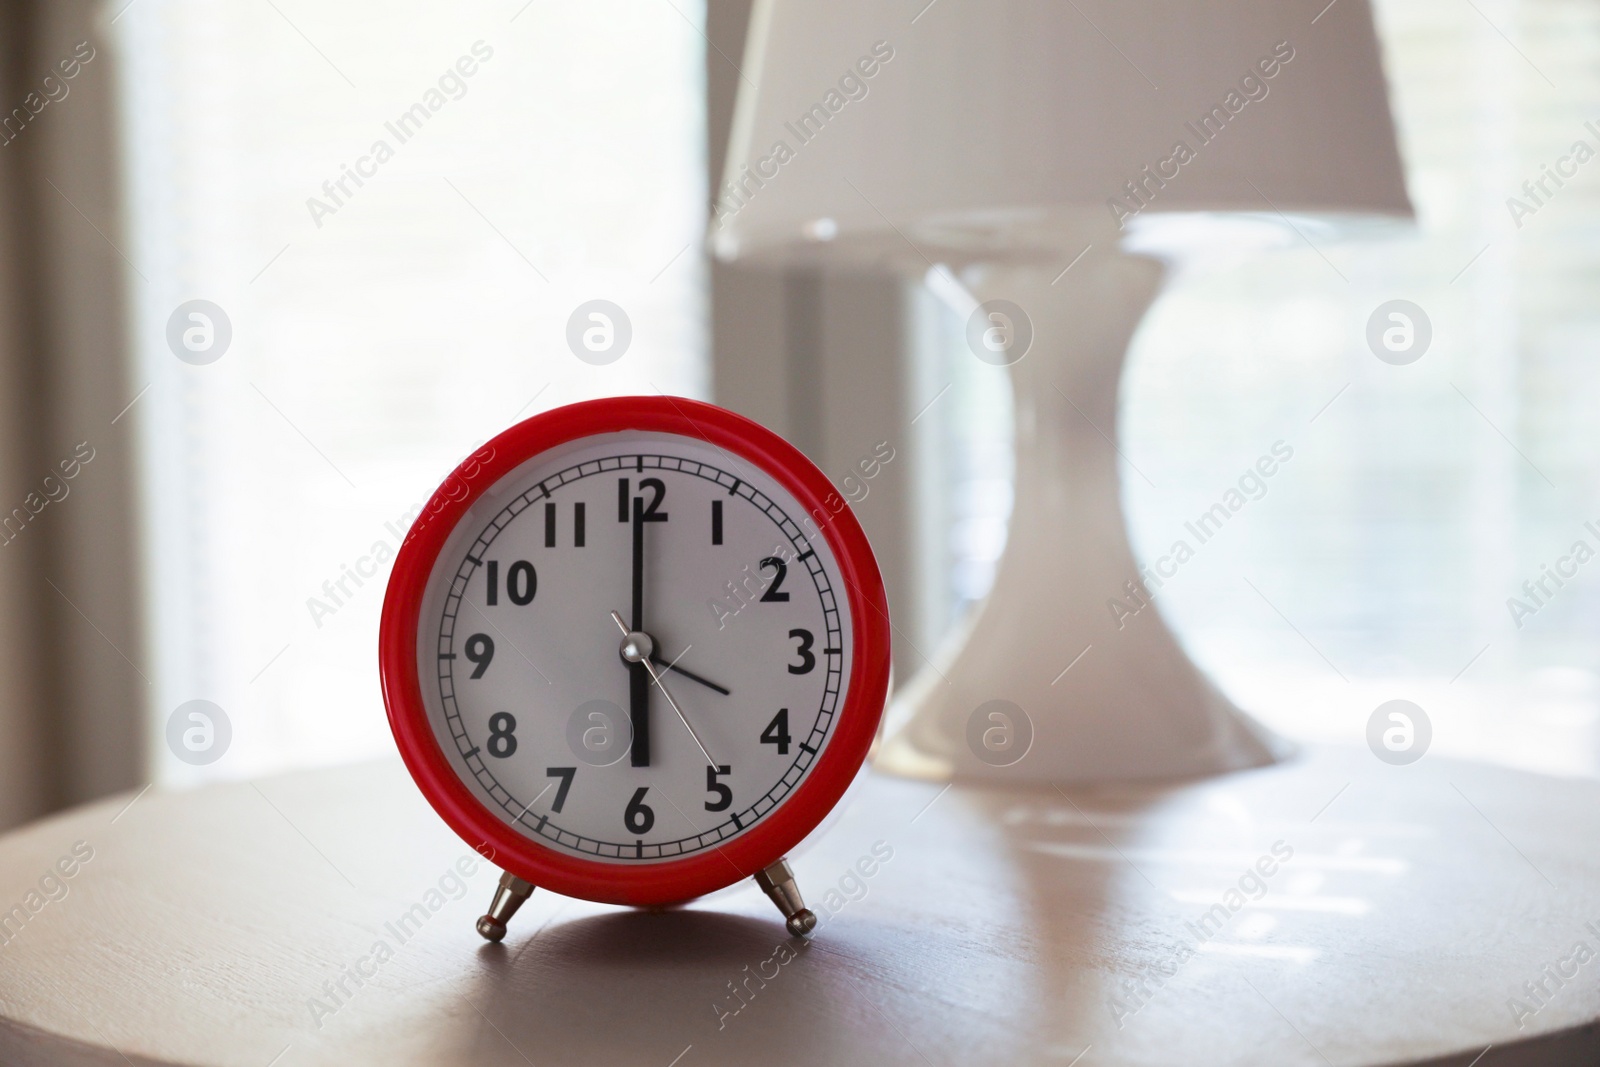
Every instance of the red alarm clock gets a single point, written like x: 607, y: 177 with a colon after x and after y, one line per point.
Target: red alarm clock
x: 635, y: 650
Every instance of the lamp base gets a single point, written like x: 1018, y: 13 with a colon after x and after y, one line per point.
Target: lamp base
x: 1067, y: 673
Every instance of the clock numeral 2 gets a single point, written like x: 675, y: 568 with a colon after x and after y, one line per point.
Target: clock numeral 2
x: 777, y: 732
x: 780, y: 572
x: 723, y: 794
x: 522, y: 582
x: 550, y: 512
x: 638, y: 817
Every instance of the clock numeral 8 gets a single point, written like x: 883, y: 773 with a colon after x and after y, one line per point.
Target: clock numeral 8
x: 522, y: 582
x: 502, y: 734
x: 639, y: 818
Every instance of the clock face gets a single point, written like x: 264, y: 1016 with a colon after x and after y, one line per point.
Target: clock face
x: 737, y: 621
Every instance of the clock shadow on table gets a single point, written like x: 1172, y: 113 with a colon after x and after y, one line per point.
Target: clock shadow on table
x: 641, y: 986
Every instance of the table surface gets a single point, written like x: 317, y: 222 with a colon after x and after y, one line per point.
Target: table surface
x: 1404, y: 910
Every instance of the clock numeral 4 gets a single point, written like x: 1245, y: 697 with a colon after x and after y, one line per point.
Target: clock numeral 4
x: 502, y: 734
x: 723, y: 794
x: 777, y: 732
x: 522, y: 582
x: 639, y: 817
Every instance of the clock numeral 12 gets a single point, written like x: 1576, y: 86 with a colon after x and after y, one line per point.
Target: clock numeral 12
x: 652, y: 511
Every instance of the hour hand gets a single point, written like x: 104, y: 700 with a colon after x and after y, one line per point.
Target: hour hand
x: 656, y: 658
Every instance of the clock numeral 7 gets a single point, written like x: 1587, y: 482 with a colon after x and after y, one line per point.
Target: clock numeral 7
x: 522, y: 582
x: 777, y: 732
x: 723, y: 794
x: 566, y: 775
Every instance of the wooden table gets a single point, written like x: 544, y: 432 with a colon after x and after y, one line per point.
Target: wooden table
x: 1404, y: 910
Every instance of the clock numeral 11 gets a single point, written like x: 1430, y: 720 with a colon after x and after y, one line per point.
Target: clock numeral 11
x: 550, y: 524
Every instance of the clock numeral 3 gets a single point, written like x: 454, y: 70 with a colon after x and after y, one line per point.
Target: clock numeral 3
x: 480, y: 650
x: 723, y: 794
x: 638, y: 817
x: 808, y: 659
x: 777, y: 732
x: 502, y: 734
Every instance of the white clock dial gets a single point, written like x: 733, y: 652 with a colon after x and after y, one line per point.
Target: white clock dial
x: 530, y: 698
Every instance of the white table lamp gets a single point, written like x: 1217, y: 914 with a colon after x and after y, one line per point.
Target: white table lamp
x: 1014, y: 144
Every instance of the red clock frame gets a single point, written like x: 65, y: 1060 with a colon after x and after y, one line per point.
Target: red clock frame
x: 667, y: 881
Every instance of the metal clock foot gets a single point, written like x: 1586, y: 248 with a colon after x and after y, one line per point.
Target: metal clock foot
x: 777, y: 881
x: 508, y: 897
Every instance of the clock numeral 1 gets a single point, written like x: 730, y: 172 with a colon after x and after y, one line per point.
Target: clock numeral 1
x: 723, y: 794
x: 716, y: 522
x: 638, y: 817
x: 777, y: 732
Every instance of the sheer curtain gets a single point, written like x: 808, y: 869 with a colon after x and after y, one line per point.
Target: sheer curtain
x: 397, y: 208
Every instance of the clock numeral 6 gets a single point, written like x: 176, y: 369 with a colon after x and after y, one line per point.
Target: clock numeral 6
x: 502, y: 734
x: 638, y: 817
x: 522, y: 582
x: 723, y: 794
x: 808, y: 659
x: 480, y: 650
x: 777, y: 732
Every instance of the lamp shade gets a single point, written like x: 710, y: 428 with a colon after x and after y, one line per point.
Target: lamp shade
x: 859, y: 119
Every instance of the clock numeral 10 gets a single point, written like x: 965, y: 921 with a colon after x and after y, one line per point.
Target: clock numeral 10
x: 522, y: 582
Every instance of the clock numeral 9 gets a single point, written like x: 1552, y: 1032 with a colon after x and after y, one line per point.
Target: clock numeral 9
x: 808, y: 659
x: 723, y: 794
x: 638, y: 817
x: 502, y: 734
x: 522, y: 582
x: 480, y: 650
x: 777, y: 732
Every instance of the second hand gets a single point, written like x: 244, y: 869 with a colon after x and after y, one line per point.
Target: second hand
x: 635, y: 650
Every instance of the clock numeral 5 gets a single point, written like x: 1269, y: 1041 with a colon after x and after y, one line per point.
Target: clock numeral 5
x: 777, y: 732
x: 522, y: 582
x: 723, y: 794
x: 639, y: 817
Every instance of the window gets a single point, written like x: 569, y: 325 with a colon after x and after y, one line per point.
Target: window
x: 396, y: 208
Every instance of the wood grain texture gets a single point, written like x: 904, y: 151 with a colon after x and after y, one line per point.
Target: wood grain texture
x: 1005, y: 928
